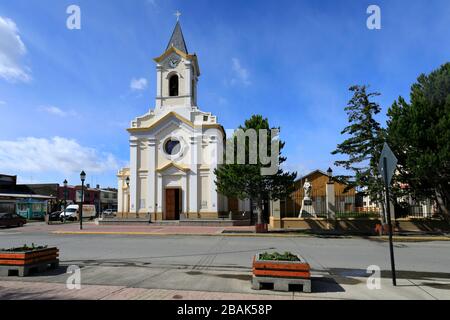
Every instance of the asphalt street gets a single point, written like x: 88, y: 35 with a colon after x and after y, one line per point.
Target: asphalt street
x: 223, y: 263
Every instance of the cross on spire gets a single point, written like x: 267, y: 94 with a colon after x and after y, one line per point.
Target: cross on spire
x: 177, y: 14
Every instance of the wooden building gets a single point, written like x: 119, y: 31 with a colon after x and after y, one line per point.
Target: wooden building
x: 345, y: 200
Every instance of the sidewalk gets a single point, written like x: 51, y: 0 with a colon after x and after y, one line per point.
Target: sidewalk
x: 90, y: 228
x: 328, y: 289
x: 15, y: 290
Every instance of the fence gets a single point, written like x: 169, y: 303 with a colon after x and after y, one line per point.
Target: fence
x: 345, y: 206
x: 415, y: 211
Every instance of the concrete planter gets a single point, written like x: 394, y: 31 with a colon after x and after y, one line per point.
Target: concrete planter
x: 25, y: 261
x: 281, y: 274
x: 283, y: 269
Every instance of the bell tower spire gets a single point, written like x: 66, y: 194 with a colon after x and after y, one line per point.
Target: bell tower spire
x: 177, y: 39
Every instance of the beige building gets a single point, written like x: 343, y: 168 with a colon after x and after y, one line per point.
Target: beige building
x: 174, y: 147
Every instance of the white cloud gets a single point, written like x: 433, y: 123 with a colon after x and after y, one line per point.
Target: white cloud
x: 138, y: 84
x: 2, y: 102
x: 12, y: 49
x: 52, y: 155
x: 57, y: 111
x: 241, y: 74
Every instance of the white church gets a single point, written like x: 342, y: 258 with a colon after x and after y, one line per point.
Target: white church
x: 174, y: 148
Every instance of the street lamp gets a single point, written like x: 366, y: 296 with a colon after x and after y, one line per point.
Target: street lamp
x: 65, y: 200
x: 127, y: 180
x: 330, y: 175
x: 82, y: 177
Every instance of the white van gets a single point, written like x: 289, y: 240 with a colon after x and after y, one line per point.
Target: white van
x: 72, y: 212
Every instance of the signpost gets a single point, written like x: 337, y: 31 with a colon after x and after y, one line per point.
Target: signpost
x: 386, y: 167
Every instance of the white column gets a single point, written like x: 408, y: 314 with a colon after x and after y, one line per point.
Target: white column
x: 187, y: 77
x: 159, y: 195
x: 193, y: 174
x: 126, y: 204
x: 331, y: 201
x: 120, y: 196
x: 134, y: 202
x: 151, y: 188
x: 184, y: 195
x: 212, y: 167
x: 158, y: 85
x: 275, y: 209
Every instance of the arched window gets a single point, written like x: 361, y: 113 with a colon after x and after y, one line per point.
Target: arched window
x: 173, y: 86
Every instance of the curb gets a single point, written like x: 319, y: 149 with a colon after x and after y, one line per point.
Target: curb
x: 260, y: 235
x: 411, y: 239
x: 177, y: 234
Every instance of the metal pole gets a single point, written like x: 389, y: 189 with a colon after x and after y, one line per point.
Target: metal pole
x: 81, y: 207
x: 388, y: 210
x: 65, y: 204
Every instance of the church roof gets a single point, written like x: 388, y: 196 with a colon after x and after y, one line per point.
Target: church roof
x: 177, y: 39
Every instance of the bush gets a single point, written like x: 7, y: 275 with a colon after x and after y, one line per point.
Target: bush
x: 24, y: 248
x: 275, y: 256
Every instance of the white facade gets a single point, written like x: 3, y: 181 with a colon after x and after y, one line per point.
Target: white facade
x: 174, y: 148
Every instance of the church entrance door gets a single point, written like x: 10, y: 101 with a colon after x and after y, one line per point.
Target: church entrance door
x: 173, y: 204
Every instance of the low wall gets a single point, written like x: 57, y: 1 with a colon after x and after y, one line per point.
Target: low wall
x: 188, y: 222
x: 424, y: 225
x: 359, y: 225
x: 157, y: 216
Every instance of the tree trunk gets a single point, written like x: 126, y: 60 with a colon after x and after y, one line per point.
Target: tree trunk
x: 443, y: 202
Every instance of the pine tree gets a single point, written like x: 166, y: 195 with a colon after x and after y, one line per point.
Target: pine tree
x: 364, y: 144
x: 245, y: 181
x: 419, y: 132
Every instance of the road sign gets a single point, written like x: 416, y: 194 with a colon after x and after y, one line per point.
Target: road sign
x: 391, y: 163
x: 386, y: 166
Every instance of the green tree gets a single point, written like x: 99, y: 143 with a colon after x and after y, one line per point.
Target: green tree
x: 363, y: 144
x: 246, y: 181
x: 419, y: 133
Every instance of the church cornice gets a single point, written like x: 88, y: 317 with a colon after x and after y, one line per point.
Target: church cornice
x: 182, y: 119
x: 156, y: 123
x: 171, y: 164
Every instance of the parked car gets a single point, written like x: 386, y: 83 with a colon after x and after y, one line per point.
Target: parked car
x: 54, y: 216
x: 108, y: 213
x: 11, y: 220
x: 72, y: 212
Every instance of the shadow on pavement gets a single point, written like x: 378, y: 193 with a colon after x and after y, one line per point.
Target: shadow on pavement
x: 323, y: 285
x: 401, y: 274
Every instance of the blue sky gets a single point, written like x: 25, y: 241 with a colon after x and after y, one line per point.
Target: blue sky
x: 66, y: 96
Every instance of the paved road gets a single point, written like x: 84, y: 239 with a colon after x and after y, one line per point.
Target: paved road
x: 223, y: 263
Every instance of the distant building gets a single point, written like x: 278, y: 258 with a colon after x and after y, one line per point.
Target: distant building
x: 102, y: 198
x: 108, y: 199
x: 22, y: 200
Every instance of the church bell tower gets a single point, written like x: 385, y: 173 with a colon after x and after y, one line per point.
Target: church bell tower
x: 177, y: 74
